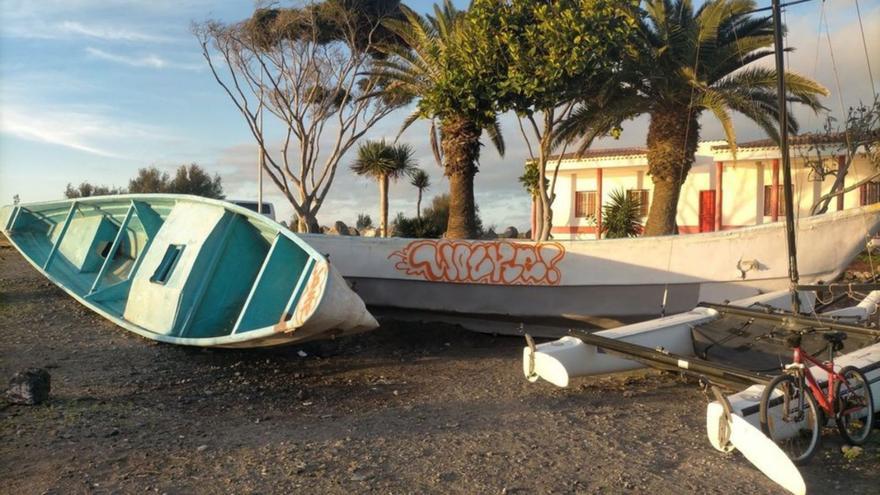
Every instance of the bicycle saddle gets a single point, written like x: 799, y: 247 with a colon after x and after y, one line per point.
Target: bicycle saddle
x: 834, y: 337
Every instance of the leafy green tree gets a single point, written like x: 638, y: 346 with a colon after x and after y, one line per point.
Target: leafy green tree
x: 434, y: 221
x: 149, y: 180
x: 86, y: 189
x: 552, y: 53
x: 621, y: 216
x: 454, y: 77
x: 188, y: 179
x: 384, y: 162
x: 363, y: 221
x: 193, y: 179
x: 421, y: 181
x: 686, y: 62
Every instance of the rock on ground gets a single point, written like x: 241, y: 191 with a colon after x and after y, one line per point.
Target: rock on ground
x: 29, y: 387
x: 510, y: 233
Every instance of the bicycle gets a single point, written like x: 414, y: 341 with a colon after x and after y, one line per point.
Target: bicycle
x: 794, y: 406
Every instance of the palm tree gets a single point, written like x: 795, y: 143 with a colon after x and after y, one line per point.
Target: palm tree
x: 385, y: 163
x: 688, y: 62
x: 421, y: 181
x: 420, y: 67
x: 620, y: 216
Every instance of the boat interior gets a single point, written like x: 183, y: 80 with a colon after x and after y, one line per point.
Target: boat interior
x: 177, y: 267
x: 759, y: 343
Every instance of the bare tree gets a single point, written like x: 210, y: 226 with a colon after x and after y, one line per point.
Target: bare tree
x: 309, y: 68
x: 831, y: 152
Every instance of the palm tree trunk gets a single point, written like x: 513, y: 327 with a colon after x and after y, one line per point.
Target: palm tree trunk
x: 672, y: 143
x: 460, y: 140
x: 419, y: 206
x: 383, y: 205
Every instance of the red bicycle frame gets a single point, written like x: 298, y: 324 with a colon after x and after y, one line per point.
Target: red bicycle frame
x: 825, y: 398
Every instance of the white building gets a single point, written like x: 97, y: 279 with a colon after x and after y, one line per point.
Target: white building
x: 721, y: 191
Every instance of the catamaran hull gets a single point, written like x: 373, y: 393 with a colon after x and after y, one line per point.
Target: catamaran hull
x: 187, y: 270
x: 617, y: 279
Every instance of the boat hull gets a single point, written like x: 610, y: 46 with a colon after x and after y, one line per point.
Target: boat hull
x: 616, y: 279
x: 186, y: 270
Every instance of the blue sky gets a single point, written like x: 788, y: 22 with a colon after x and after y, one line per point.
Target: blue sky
x: 92, y: 90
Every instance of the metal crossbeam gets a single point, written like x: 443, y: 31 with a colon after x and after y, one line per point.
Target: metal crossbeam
x: 110, y: 254
x: 67, y: 220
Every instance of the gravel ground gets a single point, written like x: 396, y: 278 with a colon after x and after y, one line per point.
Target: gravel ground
x: 409, y: 408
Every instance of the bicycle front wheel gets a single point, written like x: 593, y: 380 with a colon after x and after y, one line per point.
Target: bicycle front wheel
x: 855, y: 406
x: 790, y: 417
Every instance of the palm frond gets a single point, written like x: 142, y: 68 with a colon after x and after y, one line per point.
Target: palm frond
x: 408, y: 121
x: 716, y: 103
x: 494, y: 132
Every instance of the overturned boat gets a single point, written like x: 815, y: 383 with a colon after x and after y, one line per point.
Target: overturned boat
x: 186, y: 270
x: 622, y: 280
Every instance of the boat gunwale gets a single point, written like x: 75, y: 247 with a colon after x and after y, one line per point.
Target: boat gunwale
x: 174, y: 198
x: 232, y: 338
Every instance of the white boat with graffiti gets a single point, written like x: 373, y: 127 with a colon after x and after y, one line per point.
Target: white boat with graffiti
x: 619, y: 279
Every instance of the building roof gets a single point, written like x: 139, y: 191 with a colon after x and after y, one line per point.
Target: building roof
x: 602, y: 153
x: 803, y: 139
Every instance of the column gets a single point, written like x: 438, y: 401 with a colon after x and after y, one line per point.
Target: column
x: 599, y: 203
x: 719, y: 191
x: 774, y: 192
x: 841, y: 162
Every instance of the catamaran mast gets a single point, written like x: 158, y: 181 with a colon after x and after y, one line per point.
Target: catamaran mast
x: 786, y: 158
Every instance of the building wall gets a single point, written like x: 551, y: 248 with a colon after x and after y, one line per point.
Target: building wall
x: 743, y: 188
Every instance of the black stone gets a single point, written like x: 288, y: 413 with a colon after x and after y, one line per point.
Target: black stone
x: 29, y: 387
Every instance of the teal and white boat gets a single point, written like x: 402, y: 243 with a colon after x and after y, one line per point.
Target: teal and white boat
x: 186, y: 270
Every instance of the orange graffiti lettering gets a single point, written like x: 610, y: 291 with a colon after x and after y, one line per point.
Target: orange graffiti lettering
x: 481, y: 262
x: 311, y: 295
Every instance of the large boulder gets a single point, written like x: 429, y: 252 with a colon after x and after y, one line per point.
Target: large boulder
x: 29, y: 387
x: 369, y: 232
x: 339, y: 228
x: 353, y: 231
x: 510, y: 233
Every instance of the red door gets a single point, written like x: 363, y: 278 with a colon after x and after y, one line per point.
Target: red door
x: 707, y: 211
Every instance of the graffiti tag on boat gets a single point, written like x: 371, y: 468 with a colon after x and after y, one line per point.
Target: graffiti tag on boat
x: 311, y: 296
x: 481, y: 262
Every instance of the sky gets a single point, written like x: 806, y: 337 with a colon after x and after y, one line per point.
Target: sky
x: 93, y: 90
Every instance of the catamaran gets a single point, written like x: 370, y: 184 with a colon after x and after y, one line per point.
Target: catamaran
x: 735, y: 349
x: 186, y: 270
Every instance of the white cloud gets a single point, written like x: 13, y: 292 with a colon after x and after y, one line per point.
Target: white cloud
x: 85, y: 129
x: 69, y: 129
x: 147, y: 60
x: 107, y: 33
x: 68, y: 29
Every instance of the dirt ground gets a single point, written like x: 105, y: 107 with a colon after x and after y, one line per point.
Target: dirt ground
x: 408, y: 408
